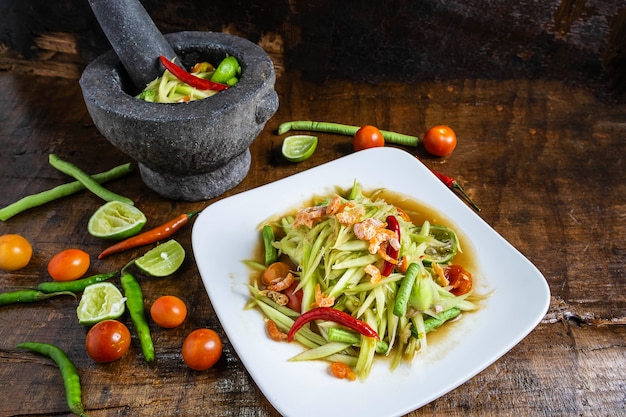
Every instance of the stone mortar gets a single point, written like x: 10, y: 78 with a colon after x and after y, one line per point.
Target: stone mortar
x: 186, y: 151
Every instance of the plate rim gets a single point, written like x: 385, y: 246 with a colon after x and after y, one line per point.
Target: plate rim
x: 445, y: 197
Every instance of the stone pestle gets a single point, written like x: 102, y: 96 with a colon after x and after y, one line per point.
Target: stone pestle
x: 134, y: 37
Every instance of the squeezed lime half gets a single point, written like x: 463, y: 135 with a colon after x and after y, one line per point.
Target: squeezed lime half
x: 116, y: 220
x: 297, y: 148
x: 163, y: 260
x: 100, y: 301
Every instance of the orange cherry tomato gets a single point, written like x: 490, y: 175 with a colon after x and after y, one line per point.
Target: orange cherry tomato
x: 168, y: 311
x: 15, y: 252
x: 275, y: 272
x: 69, y: 265
x: 459, y: 279
x: 107, y: 341
x: 367, y: 137
x: 439, y: 140
x: 202, y: 349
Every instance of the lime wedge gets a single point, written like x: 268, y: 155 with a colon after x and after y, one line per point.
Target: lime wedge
x: 100, y: 301
x: 163, y: 260
x: 116, y: 220
x: 297, y: 148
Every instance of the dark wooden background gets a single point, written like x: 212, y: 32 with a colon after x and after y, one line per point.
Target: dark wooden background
x: 534, y: 90
x: 577, y: 41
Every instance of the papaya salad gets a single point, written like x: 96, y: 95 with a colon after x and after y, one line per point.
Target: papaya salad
x: 352, y: 278
x: 176, y: 85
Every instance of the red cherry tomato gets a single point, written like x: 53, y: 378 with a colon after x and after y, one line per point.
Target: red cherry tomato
x: 202, y: 349
x: 168, y: 311
x: 295, y: 297
x: 15, y: 252
x: 459, y: 279
x: 107, y: 341
x: 367, y: 137
x: 69, y: 265
x: 439, y: 140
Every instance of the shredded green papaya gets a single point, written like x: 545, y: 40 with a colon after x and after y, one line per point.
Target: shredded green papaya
x: 338, y: 246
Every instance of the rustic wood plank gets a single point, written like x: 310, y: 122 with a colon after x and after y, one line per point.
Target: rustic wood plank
x: 543, y: 159
x: 57, y: 56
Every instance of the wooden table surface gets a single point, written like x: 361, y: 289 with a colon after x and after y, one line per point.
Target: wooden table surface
x: 544, y: 160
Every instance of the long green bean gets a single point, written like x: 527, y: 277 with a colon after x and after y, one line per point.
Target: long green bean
x: 402, y: 298
x: 341, y: 129
x: 29, y: 296
x: 89, y: 183
x: 134, y: 302
x: 71, y: 380
x: 73, y: 286
x: 63, y: 190
x: 432, y: 323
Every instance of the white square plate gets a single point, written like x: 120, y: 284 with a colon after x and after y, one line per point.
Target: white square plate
x: 226, y: 233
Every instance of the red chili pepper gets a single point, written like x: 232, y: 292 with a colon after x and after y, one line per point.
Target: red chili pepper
x: 394, y: 226
x: 188, y: 78
x: 332, y: 314
x: 150, y: 236
x: 452, y: 184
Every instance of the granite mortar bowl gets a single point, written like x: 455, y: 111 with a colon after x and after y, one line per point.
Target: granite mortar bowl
x: 186, y: 151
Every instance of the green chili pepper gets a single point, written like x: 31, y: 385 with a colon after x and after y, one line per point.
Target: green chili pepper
x: 134, y: 302
x: 73, y: 286
x: 404, y: 292
x: 89, y: 183
x: 71, y: 380
x: 29, y: 296
x: 271, y: 253
x: 347, y: 130
x: 36, y: 200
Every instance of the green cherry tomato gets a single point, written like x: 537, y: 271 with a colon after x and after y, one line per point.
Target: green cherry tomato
x: 439, y: 140
x: 367, y: 137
